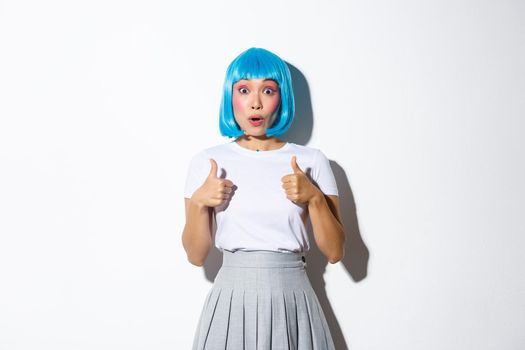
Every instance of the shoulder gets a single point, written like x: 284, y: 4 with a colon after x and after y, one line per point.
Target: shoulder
x: 312, y: 153
x: 218, y: 149
x: 303, y: 149
x: 212, y: 151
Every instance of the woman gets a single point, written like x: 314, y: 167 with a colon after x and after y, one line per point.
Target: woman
x: 259, y: 203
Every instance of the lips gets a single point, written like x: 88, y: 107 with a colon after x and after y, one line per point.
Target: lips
x: 256, y: 120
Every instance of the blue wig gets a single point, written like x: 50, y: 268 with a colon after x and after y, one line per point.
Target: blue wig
x: 257, y: 63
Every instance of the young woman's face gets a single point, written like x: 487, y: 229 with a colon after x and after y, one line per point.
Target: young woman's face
x: 255, y: 104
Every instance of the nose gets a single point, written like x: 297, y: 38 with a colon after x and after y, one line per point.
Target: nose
x: 256, y: 103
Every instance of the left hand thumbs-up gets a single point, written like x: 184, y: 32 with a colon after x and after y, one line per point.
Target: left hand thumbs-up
x: 299, y: 189
x: 295, y: 167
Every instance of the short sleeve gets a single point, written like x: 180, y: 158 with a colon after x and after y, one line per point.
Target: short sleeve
x: 323, y: 174
x: 198, y: 170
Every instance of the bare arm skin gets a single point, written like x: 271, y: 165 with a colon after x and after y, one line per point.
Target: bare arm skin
x: 326, y: 223
x: 197, y: 234
x: 323, y: 210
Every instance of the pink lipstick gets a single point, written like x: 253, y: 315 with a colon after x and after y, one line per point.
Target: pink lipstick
x: 256, y: 120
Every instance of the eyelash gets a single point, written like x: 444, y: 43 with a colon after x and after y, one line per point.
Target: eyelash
x: 272, y: 91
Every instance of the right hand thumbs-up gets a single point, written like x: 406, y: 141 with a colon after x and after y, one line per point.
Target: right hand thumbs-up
x: 215, y: 190
x: 213, y: 170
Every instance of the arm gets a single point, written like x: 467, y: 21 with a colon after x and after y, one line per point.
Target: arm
x: 326, y: 223
x: 196, y: 237
x: 323, y: 209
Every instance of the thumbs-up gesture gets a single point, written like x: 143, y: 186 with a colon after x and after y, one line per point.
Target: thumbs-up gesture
x: 299, y: 189
x: 215, y: 190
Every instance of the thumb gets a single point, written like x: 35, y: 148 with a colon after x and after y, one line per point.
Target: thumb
x: 213, y: 170
x: 295, y: 167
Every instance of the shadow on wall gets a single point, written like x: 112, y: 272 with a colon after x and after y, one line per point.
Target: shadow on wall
x: 356, y: 256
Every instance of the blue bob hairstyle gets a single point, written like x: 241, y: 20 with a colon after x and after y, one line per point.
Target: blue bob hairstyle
x: 257, y: 63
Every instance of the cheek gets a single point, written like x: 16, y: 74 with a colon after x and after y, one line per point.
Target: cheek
x: 236, y: 102
x: 273, y: 104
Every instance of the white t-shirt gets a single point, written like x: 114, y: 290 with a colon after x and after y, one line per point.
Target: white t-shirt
x: 258, y: 215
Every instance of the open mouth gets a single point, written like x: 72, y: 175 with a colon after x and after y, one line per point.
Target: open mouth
x: 256, y: 120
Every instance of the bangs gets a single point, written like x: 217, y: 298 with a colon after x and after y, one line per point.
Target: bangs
x: 256, y: 65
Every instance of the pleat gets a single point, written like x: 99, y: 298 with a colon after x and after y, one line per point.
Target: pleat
x: 207, y: 317
x: 235, y: 340
x: 220, y: 321
x: 250, y: 319
x: 316, y: 327
x: 264, y: 320
x: 279, y: 323
x: 291, y: 319
x: 304, y: 329
x: 201, y: 317
x: 328, y: 337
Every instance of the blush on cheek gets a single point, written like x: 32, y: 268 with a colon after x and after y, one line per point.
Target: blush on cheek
x: 273, y: 104
x: 236, y: 101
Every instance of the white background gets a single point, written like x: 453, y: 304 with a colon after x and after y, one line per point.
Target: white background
x: 419, y: 105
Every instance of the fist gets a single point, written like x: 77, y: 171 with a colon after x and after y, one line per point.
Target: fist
x: 215, y: 190
x: 298, y: 188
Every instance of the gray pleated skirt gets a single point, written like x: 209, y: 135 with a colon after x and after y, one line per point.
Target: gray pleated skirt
x: 262, y: 300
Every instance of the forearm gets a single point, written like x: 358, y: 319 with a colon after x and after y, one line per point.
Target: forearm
x: 328, y: 231
x: 196, y: 237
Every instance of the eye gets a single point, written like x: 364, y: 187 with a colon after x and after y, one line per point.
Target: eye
x: 268, y: 91
x: 243, y: 90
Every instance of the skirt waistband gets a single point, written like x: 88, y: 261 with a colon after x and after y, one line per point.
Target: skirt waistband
x: 262, y: 258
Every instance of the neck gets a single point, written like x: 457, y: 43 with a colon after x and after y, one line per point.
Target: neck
x: 260, y: 143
